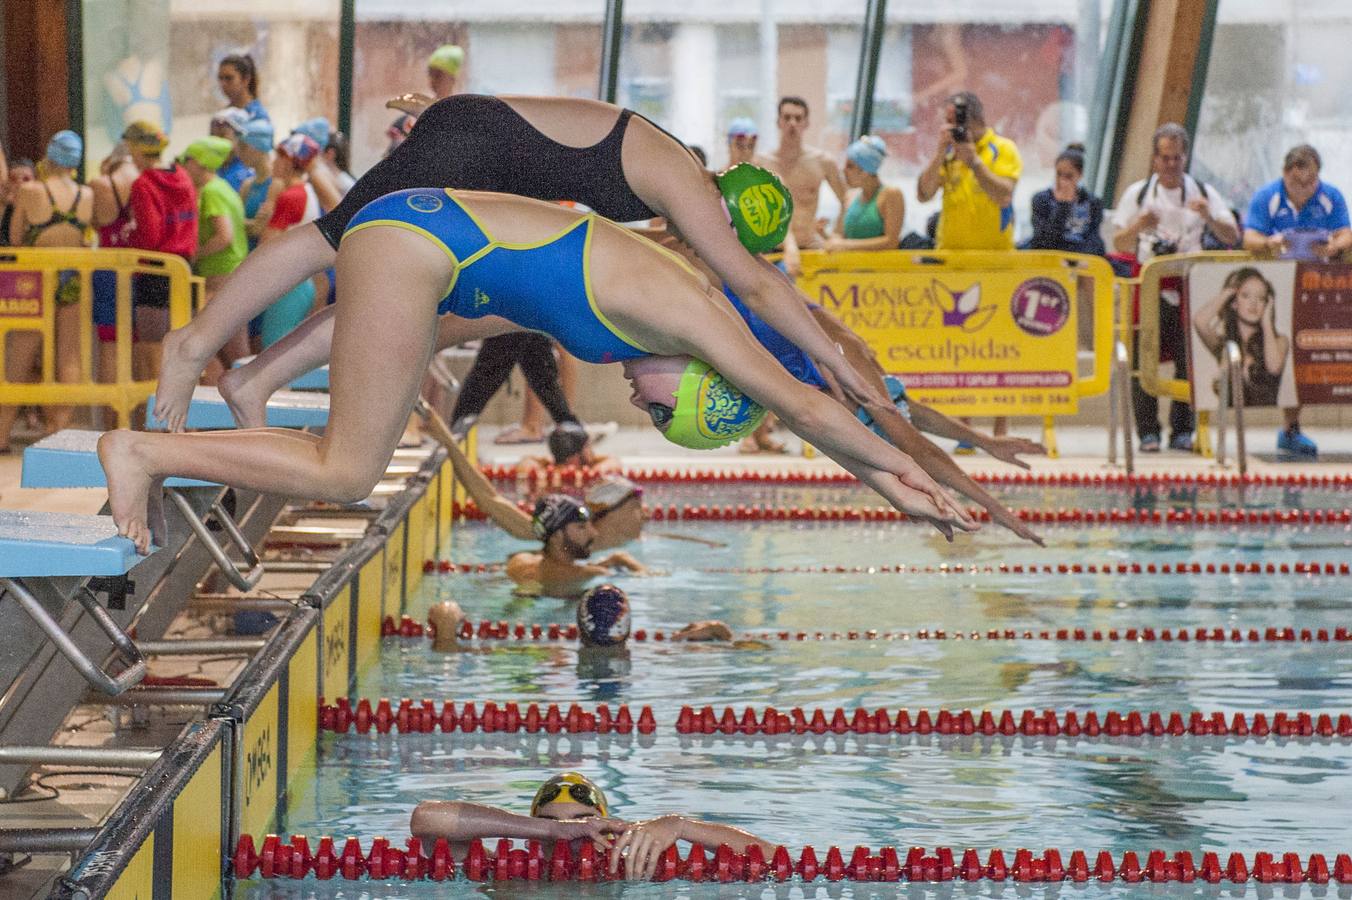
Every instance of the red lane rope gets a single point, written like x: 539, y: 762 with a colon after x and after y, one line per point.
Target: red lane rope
x: 425, y: 718
x: 488, y: 630
x: 530, y: 863
x: 1304, y: 569
x: 1064, y: 516
x: 580, y: 476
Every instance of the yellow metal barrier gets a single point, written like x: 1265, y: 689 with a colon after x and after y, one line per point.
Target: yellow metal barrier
x: 977, y: 333
x: 29, y: 277
x: 1146, y: 361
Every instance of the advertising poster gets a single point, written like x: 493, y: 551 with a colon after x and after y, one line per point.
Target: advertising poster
x: 974, y: 342
x: 1322, y: 322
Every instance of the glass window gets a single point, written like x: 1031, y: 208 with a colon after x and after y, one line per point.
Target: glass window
x: 157, y: 60
x: 1277, y: 77
x: 510, y: 48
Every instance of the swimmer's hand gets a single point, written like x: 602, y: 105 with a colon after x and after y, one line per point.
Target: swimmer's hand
x: 1007, y: 449
x: 600, y: 831
x: 1002, y: 516
x: 710, y: 630
x: 641, y: 847
x: 621, y: 560
x: 913, y: 492
x: 412, y: 104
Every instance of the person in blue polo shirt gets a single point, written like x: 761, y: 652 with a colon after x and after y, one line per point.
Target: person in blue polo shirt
x: 1298, y: 217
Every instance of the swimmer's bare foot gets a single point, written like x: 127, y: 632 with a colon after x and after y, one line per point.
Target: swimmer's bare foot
x: 129, y: 487
x: 242, y: 393
x: 180, y: 370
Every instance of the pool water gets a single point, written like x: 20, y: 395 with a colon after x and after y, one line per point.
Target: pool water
x: 1175, y: 793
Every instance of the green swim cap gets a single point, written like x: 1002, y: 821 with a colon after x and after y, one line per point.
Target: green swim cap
x: 448, y: 58
x: 710, y: 412
x: 759, y: 204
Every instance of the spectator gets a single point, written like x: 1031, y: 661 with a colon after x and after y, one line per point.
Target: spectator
x: 54, y: 210
x: 443, y: 68
x: 977, y: 170
x: 1066, y: 216
x: 1298, y: 216
x: 742, y: 134
x: 238, y: 77
x: 255, y: 148
x: 230, y: 124
x: 398, y: 131
x: 337, y: 155
x: 20, y: 172
x: 1160, y: 215
x: 803, y: 169
x: 221, y: 238
x: 874, y: 216
x: 112, y: 217
x: 164, y: 218
x: 289, y: 166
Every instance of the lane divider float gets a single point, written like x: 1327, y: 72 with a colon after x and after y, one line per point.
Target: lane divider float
x: 488, y: 630
x: 385, y: 861
x: 1064, y: 516
x: 425, y: 717
x: 581, y: 476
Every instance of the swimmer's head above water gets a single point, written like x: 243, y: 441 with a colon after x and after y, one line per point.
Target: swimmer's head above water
x: 569, y: 796
x: 617, y: 502
x: 603, y: 617
x: 561, y: 515
x: 690, y: 403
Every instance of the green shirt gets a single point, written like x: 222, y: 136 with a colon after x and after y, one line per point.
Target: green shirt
x: 217, y: 198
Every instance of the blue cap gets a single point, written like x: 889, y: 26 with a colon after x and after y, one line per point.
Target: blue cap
x: 867, y: 153
x: 742, y: 126
x: 603, y: 616
x: 66, y: 149
x: 233, y: 118
x: 316, y: 129
x: 258, y: 134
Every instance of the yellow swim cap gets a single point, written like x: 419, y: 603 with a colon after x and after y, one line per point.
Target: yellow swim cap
x: 570, y: 787
x: 448, y: 58
x: 710, y: 412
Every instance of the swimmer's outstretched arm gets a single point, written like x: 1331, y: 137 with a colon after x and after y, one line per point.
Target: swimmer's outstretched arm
x: 502, y: 511
x: 460, y: 822
x: 642, y: 844
x: 265, y: 275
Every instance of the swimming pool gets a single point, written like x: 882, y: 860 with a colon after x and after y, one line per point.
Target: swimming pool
x: 1181, y: 792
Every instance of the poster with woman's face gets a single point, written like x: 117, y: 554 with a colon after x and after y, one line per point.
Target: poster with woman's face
x: 1250, y: 304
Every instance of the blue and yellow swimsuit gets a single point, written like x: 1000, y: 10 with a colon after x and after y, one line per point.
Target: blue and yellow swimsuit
x: 542, y: 286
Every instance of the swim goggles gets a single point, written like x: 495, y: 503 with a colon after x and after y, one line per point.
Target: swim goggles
x: 578, y: 790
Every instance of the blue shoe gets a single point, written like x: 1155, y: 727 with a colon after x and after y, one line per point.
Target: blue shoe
x: 1290, y: 442
x: 1181, y: 440
x: 1150, y: 443
x: 964, y: 448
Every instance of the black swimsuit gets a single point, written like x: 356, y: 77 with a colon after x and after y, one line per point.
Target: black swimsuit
x: 479, y: 143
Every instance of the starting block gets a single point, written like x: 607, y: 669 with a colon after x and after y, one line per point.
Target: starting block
x: 287, y: 409
x: 69, y: 459
x: 314, y: 380
x: 36, y: 547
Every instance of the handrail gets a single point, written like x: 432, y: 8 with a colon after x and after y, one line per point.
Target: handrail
x: 126, y: 648
x: 229, y: 568
x: 1231, y: 393
x: 1120, y: 408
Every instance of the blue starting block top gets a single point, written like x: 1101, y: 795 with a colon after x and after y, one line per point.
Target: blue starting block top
x: 35, y: 544
x: 70, y: 459
x: 286, y: 409
x: 314, y: 380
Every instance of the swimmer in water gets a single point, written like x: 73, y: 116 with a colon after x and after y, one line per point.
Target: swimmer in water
x: 612, y: 161
x: 569, y: 445
x: 509, y: 262
x: 563, y: 525
x: 570, y: 807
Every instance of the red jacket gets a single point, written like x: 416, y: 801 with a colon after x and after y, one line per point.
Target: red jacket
x: 164, y: 212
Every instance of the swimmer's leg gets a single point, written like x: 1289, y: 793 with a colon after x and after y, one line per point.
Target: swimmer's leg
x: 306, y: 347
x: 371, y: 394
x: 265, y: 275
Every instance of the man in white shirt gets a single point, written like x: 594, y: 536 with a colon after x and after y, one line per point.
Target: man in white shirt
x: 1168, y: 213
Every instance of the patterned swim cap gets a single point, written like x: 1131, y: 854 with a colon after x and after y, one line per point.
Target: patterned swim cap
x: 710, y: 411
x: 603, y: 616
x: 759, y: 204
x: 554, y: 512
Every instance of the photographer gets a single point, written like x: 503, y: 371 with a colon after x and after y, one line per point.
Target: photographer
x: 1168, y: 213
x: 977, y: 170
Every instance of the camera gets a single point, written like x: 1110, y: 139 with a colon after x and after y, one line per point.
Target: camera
x: 959, y: 129
x: 1163, y: 247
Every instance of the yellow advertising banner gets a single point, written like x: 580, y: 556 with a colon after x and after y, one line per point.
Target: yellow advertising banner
x: 998, y: 338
